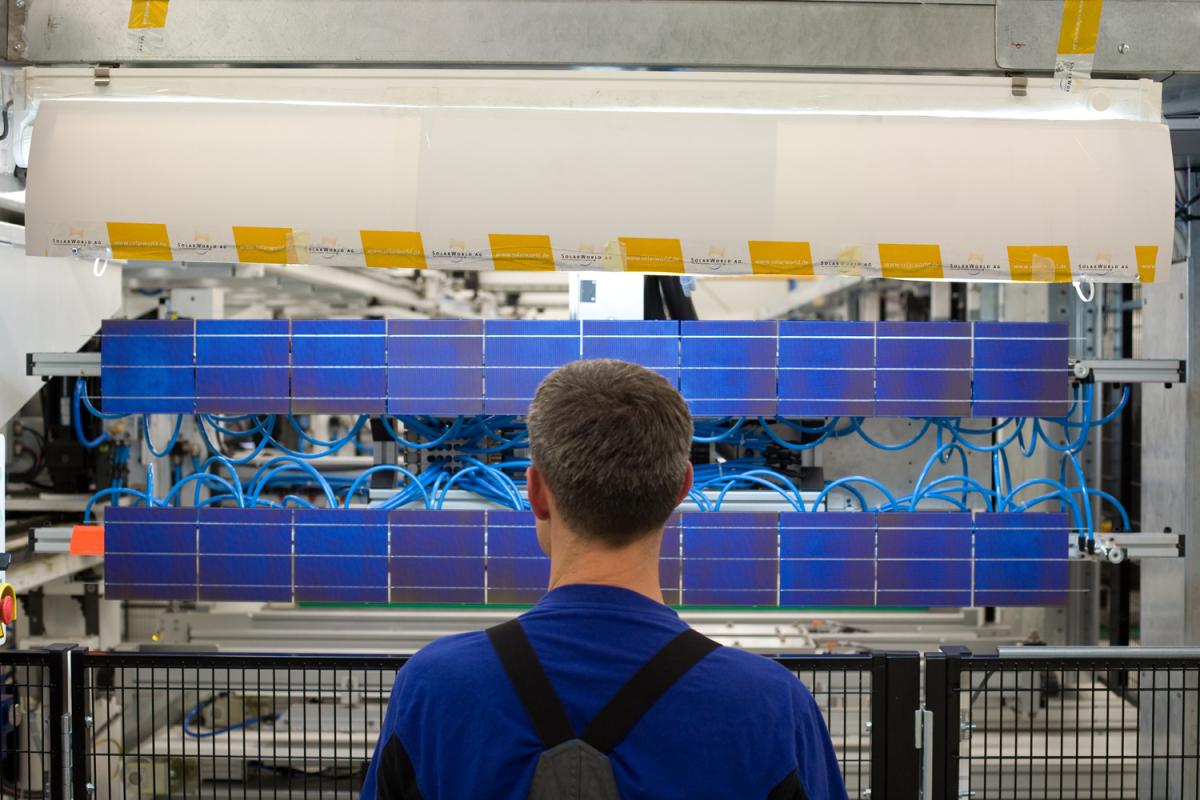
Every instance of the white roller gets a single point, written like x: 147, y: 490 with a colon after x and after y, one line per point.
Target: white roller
x: 903, y: 176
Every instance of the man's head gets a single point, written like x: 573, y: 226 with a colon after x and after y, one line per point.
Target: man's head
x: 609, y: 442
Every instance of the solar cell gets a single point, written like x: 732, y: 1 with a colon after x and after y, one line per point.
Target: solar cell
x: 826, y: 559
x: 147, y: 366
x: 341, y: 555
x: 437, y: 556
x: 1021, y: 559
x: 242, y: 366
x: 339, y: 366
x: 435, y: 367
x: 517, y: 569
x: 826, y: 369
x: 245, y: 554
x: 518, y: 354
x: 653, y: 344
x: 924, y: 558
x: 728, y: 367
x: 730, y: 558
x: 923, y: 369
x: 1020, y: 369
x: 150, y: 554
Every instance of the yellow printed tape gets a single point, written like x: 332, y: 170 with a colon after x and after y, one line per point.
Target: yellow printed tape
x: 139, y: 241
x: 393, y: 249
x: 148, y: 14
x: 264, y: 245
x: 1080, y: 27
x: 652, y: 255
x: 1041, y: 264
x: 781, y: 258
x: 1147, y: 262
x: 521, y: 253
x: 910, y: 260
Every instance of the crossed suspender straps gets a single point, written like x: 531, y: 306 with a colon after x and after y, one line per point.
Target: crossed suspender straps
x: 628, y: 705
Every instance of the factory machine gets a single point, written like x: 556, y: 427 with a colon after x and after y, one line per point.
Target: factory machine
x: 923, y: 274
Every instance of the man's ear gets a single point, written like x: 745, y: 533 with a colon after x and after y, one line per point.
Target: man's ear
x: 688, y: 478
x: 539, y: 493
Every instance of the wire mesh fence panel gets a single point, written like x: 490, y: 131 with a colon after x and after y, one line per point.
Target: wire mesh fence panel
x: 29, y: 699
x: 1092, y: 727
x: 842, y: 688
x: 229, y: 726
x: 232, y: 726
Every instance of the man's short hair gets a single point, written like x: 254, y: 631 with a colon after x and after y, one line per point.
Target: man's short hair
x: 612, y: 441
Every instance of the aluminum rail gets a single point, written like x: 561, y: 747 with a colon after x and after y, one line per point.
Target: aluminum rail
x: 1136, y: 653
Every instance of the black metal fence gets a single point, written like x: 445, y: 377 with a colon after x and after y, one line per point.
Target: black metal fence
x: 1065, y: 723
x: 1031, y: 723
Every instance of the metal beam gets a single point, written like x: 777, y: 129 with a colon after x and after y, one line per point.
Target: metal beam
x: 1130, y: 370
x: 828, y: 34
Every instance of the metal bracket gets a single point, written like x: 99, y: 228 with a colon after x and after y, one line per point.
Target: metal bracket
x: 1020, y: 86
x: 923, y: 720
x: 64, y: 365
x: 102, y: 76
x: 1130, y: 370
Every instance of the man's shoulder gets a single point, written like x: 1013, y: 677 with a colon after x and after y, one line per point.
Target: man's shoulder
x: 752, y: 675
x: 459, y: 655
x: 455, y: 651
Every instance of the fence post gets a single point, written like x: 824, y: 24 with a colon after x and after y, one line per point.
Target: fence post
x: 903, y: 700
x: 879, y: 726
x: 81, y: 725
x: 61, y: 738
x: 942, y: 671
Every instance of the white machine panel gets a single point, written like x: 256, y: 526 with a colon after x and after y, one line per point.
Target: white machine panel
x: 900, y: 176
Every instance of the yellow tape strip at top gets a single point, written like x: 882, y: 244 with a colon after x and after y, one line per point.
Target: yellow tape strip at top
x: 393, y: 249
x: 148, y: 14
x: 139, y: 241
x: 910, y: 260
x: 1041, y: 264
x: 1080, y: 27
x: 521, y: 253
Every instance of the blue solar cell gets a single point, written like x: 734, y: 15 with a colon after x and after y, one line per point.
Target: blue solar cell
x: 147, y: 366
x: 1025, y: 535
x: 341, y: 555
x: 245, y: 554
x: 826, y: 368
x: 670, y: 565
x: 518, y: 354
x: 1021, y: 559
x: 730, y: 558
x: 517, y: 569
x: 728, y: 367
x: 826, y: 559
x: 924, y: 558
x: 1020, y: 369
x: 339, y: 366
x: 242, y: 366
x: 149, y: 530
x: 149, y: 577
x: 437, y: 556
x: 435, y: 367
x: 923, y: 369
x: 653, y: 344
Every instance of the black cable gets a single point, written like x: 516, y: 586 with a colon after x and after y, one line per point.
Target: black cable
x: 679, y: 305
x: 652, y: 301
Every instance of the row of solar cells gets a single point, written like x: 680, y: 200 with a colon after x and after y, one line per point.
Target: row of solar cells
x: 451, y: 367
x: 492, y: 557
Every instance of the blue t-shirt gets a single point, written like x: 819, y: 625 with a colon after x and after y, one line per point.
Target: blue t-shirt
x: 734, y: 726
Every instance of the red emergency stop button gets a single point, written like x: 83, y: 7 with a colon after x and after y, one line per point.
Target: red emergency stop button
x: 8, y: 604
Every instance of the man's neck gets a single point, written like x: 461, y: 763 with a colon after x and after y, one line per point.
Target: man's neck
x: 632, y: 567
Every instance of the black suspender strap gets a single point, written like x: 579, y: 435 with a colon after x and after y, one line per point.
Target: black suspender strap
x: 651, y: 682
x: 527, y: 677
